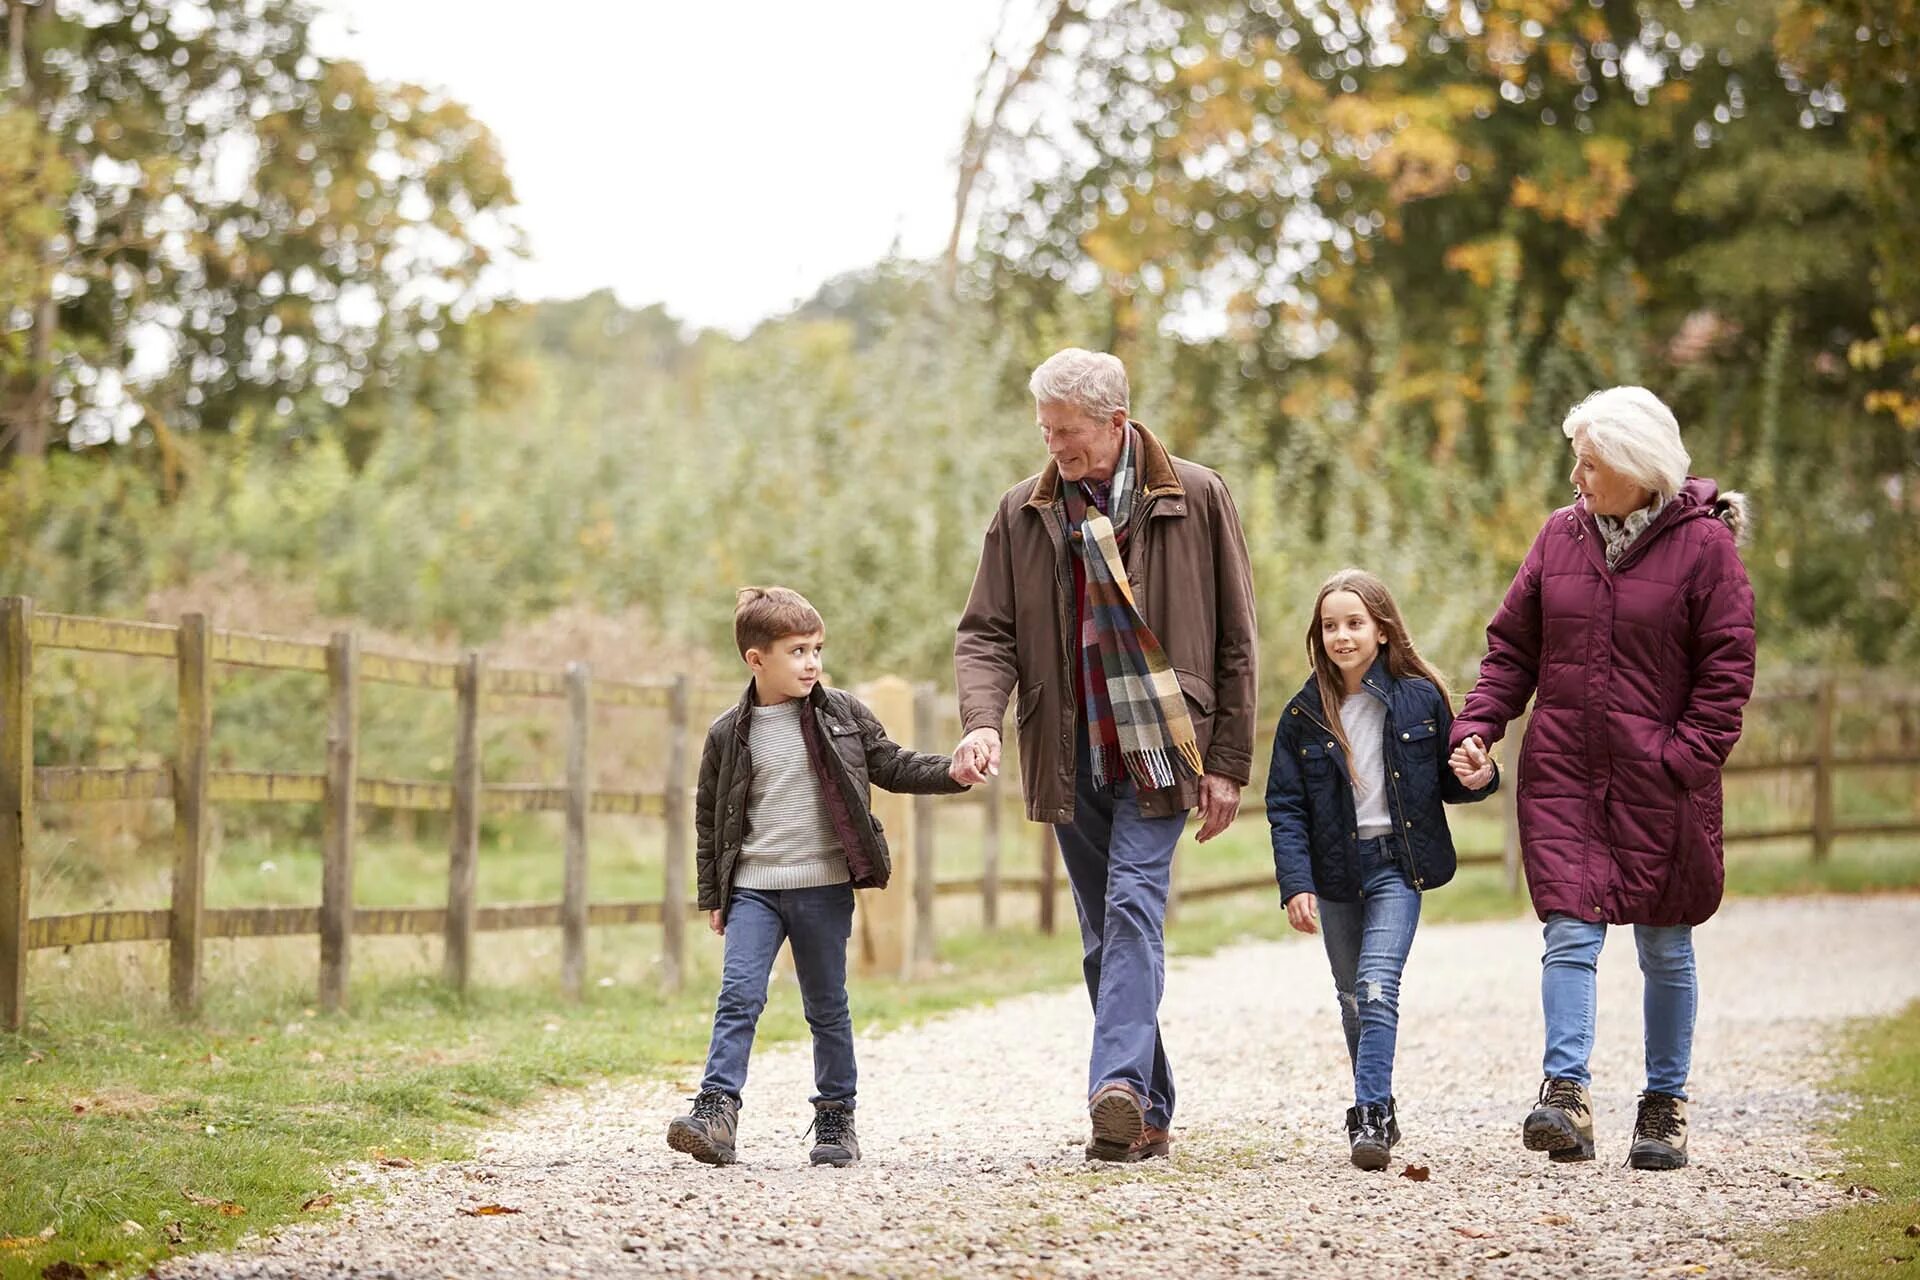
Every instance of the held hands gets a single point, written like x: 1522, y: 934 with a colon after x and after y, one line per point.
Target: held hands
x: 976, y: 758
x: 1303, y: 912
x: 1471, y: 763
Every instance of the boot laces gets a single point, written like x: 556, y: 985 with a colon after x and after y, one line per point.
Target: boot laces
x: 711, y: 1104
x: 1658, y: 1117
x: 830, y: 1125
x: 1564, y: 1094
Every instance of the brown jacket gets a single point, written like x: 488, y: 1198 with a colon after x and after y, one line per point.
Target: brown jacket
x: 862, y: 754
x: 1187, y: 560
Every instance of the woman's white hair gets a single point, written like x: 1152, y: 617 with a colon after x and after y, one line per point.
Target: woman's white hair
x: 1090, y: 380
x: 1632, y: 432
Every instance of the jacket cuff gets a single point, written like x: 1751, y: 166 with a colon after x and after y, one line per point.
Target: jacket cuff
x: 1292, y: 887
x: 980, y: 718
x: 1234, y: 766
x: 1464, y: 729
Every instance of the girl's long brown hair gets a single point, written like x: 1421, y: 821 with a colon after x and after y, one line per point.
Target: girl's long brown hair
x: 1403, y: 659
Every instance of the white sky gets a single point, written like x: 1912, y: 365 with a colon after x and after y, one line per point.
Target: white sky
x: 722, y: 159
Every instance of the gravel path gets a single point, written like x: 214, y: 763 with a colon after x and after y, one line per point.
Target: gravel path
x: 973, y: 1126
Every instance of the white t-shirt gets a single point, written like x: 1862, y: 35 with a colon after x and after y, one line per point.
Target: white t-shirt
x: 1364, y: 716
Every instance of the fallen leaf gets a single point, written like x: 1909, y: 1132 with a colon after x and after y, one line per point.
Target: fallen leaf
x: 80, y: 1107
x: 19, y: 1242
x: 1473, y: 1233
x: 174, y: 1234
x: 205, y: 1202
x: 1497, y: 1253
x: 321, y: 1201
x: 1861, y: 1191
x: 487, y: 1211
x: 63, y: 1271
x: 1553, y: 1220
x: 228, y: 1209
x: 1416, y: 1172
x: 395, y: 1162
x: 1913, y: 1228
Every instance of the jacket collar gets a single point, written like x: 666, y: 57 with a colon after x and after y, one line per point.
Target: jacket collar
x: 750, y: 699
x: 1157, y: 476
x: 1697, y: 498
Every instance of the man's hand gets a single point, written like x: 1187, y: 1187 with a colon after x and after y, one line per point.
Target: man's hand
x: 1303, y: 910
x: 976, y: 758
x: 717, y: 923
x: 1219, y: 805
x: 1471, y: 763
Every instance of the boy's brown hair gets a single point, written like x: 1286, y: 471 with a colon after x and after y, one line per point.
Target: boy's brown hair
x: 762, y: 615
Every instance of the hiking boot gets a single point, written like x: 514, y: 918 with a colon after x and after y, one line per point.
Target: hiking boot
x: 1368, y: 1143
x: 1659, y: 1132
x: 834, y: 1141
x: 1151, y: 1142
x: 1119, y: 1121
x: 1393, y: 1123
x: 707, y: 1132
x: 1562, y: 1123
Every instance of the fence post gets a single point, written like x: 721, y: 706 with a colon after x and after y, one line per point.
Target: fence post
x: 990, y: 854
x: 16, y: 803
x: 464, y: 851
x: 190, y: 812
x: 673, y: 896
x: 1049, y: 865
x: 573, y: 898
x: 337, y: 836
x: 925, y: 884
x: 1823, y: 769
x: 1510, y: 808
x: 891, y: 913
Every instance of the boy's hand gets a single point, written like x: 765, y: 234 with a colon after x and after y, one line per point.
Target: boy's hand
x: 976, y: 758
x: 1303, y: 910
x: 717, y: 923
x: 1471, y: 763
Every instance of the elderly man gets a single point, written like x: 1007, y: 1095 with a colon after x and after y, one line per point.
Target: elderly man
x: 1114, y: 591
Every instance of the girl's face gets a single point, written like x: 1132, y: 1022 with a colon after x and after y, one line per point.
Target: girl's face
x: 1350, y: 635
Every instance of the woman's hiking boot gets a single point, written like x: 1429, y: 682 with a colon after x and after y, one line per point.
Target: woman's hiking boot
x: 1368, y: 1142
x: 707, y: 1132
x: 1659, y: 1132
x: 1561, y: 1122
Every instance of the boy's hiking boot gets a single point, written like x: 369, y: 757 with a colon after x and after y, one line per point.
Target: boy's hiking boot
x: 1659, y: 1132
x: 1561, y: 1124
x: 834, y: 1141
x: 707, y: 1132
x: 1119, y: 1122
x: 1368, y: 1142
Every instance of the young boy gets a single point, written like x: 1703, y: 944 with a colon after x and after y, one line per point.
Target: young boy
x: 785, y: 837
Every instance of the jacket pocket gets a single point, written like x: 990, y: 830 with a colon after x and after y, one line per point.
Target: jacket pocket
x: 1198, y: 689
x: 1029, y: 703
x: 1422, y: 736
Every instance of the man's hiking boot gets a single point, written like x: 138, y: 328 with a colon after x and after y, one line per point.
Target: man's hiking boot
x: 1119, y: 1122
x: 707, y: 1132
x: 1152, y: 1142
x: 1659, y: 1132
x: 1561, y: 1124
x: 834, y: 1141
x: 1368, y: 1142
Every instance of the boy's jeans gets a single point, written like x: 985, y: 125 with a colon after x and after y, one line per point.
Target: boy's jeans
x: 1120, y: 865
x: 1567, y: 994
x: 1367, y: 946
x: 818, y: 923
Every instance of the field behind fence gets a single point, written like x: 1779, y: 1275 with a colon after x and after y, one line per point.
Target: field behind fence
x: 1812, y: 730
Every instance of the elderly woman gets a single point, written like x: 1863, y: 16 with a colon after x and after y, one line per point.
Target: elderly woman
x: 1631, y: 619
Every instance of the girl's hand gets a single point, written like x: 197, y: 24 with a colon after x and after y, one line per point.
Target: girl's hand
x: 717, y: 923
x: 1303, y: 912
x: 1471, y: 763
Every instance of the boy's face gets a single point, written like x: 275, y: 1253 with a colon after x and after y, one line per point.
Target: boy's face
x: 788, y: 668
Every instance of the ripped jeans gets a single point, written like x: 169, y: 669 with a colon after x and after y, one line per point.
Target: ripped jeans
x: 1367, y: 946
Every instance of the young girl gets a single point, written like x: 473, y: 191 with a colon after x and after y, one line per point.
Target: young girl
x: 1359, y: 772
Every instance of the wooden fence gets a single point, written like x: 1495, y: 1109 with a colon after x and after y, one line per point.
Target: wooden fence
x: 898, y: 928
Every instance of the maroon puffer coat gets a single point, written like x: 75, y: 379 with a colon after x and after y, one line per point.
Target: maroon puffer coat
x: 1642, y: 671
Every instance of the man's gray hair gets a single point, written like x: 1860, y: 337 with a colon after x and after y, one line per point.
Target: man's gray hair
x: 1090, y: 380
x: 1630, y: 430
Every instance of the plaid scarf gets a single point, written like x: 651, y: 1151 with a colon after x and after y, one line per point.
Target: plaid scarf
x: 1133, y: 702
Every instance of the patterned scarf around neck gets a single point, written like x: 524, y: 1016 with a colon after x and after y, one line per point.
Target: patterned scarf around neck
x: 1130, y: 692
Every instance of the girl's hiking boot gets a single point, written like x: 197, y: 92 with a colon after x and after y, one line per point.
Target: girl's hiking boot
x: 1659, y: 1132
x: 1561, y: 1123
x: 834, y: 1141
x: 1369, y: 1143
x: 707, y: 1132
x: 1119, y: 1122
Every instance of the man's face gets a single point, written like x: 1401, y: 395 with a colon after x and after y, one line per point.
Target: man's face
x: 1084, y: 446
x: 788, y: 668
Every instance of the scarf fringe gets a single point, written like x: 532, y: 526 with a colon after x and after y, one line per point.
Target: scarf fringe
x: 1156, y: 768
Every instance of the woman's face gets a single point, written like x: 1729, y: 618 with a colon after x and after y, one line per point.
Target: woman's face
x: 1608, y: 493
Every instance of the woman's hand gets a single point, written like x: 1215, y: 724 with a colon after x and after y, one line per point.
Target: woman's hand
x: 1471, y: 763
x: 1303, y: 912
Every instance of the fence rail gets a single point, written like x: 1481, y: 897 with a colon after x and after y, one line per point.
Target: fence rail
x: 898, y: 929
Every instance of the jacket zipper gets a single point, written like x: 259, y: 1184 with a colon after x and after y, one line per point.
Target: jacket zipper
x: 1393, y: 783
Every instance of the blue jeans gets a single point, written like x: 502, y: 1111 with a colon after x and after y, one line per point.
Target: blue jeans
x: 818, y: 923
x: 1367, y: 945
x: 1567, y: 994
x: 1120, y: 865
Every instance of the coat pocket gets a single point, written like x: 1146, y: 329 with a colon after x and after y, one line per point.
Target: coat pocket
x: 1028, y: 704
